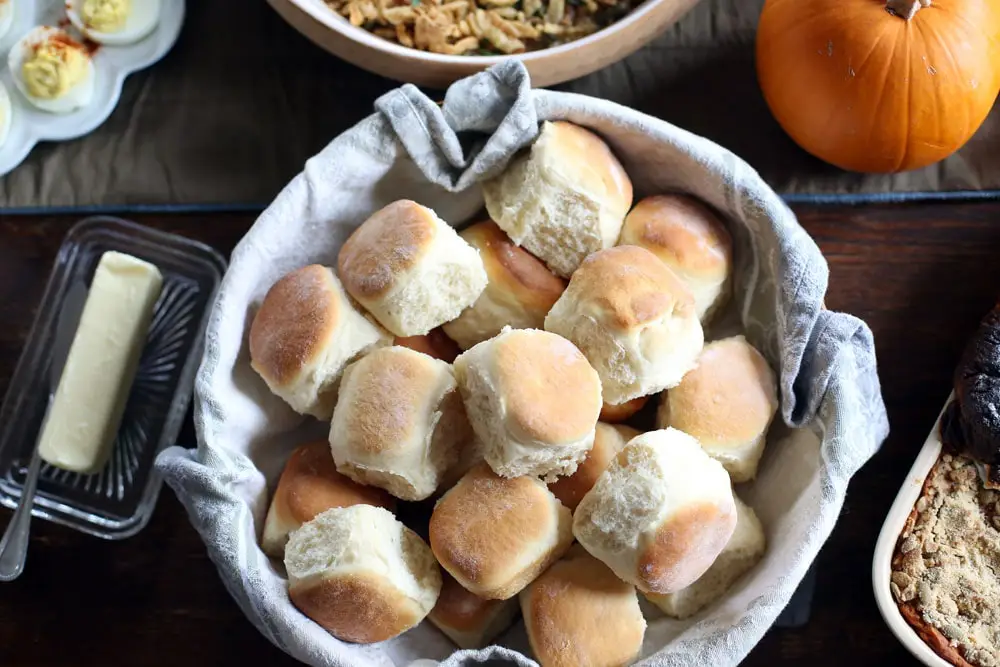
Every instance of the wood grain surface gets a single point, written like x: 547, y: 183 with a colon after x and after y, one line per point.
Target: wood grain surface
x: 921, y: 276
x: 244, y: 100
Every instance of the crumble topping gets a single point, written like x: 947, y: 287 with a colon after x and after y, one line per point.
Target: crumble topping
x: 948, y: 559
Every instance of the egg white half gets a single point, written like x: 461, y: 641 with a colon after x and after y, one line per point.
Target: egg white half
x: 6, y: 114
x: 76, y: 97
x: 142, y: 20
x: 6, y: 16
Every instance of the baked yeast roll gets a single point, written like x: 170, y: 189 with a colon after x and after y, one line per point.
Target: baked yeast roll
x: 633, y: 319
x: 469, y: 454
x: 303, y: 335
x: 436, y: 344
x: 410, y: 269
x: 495, y: 535
x: 608, y: 441
x: 533, y: 400
x: 520, y: 292
x: 360, y: 574
x: 309, y: 485
x: 398, y: 422
x: 615, y: 414
x: 564, y: 199
x: 690, y: 238
x: 660, y: 514
x: 744, y: 550
x: 579, y: 613
x: 727, y: 403
x: 469, y: 620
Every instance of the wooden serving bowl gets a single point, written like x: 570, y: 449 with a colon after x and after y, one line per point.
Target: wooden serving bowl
x: 332, y: 32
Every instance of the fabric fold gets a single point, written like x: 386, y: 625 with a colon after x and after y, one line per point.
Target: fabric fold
x: 482, y: 123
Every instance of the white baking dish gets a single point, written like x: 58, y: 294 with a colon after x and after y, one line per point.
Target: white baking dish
x: 886, y: 546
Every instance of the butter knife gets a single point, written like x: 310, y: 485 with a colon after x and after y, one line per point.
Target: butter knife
x: 14, y: 545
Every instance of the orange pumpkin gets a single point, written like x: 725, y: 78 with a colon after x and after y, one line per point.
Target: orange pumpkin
x: 876, y: 86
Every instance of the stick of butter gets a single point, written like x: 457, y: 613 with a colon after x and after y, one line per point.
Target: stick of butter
x: 90, y: 401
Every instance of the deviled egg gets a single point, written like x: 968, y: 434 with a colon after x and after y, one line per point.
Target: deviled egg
x: 6, y: 114
x: 52, y: 70
x: 114, y: 22
x: 6, y: 16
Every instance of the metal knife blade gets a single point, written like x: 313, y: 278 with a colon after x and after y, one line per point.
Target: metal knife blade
x: 14, y: 544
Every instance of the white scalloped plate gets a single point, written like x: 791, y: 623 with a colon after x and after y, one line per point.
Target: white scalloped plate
x: 112, y: 64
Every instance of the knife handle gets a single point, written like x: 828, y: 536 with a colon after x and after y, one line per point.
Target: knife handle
x: 14, y: 546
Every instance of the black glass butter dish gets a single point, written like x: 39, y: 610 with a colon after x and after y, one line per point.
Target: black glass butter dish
x: 117, y: 501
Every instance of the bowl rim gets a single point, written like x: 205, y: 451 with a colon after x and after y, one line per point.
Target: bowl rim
x: 320, y: 12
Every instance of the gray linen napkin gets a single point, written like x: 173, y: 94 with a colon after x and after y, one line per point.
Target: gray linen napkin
x: 833, y: 418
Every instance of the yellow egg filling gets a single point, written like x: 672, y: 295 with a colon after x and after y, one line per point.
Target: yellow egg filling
x: 106, y: 15
x: 56, y: 65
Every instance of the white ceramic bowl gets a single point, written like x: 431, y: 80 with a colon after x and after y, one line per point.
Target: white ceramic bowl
x: 112, y: 65
x: 330, y: 31
x: 907, y: 497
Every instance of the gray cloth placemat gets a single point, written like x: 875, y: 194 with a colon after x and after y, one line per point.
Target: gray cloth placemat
x: 231, y: 115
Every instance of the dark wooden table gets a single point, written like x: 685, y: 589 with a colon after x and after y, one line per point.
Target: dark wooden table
x: 921, y: 275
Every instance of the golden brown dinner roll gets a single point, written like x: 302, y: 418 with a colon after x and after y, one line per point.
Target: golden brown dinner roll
x: 615, y: 414
x: 303, y: 335
x: 436, y: 344
x: 310, y: 484
x: 469, y: 620
x: 579, y: 613
x: 398, y: 422
x: 608, y: 441
x: 744, y: 550
x: 360, y: 574
x: 660, y: 514
x: 495, y: 535
x: 520, y: 292
x: 689, y: 238
x: 532, y: 399
x: 564, y: 199
x: 727, y: 403
x: 410, y: 269
x: 470, y: 454
x: 633, y: 319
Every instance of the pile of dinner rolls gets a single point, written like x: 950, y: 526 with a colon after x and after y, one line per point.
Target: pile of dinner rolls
x: 501, y: 376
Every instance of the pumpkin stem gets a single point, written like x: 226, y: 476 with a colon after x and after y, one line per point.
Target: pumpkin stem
x: 906, y: 9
